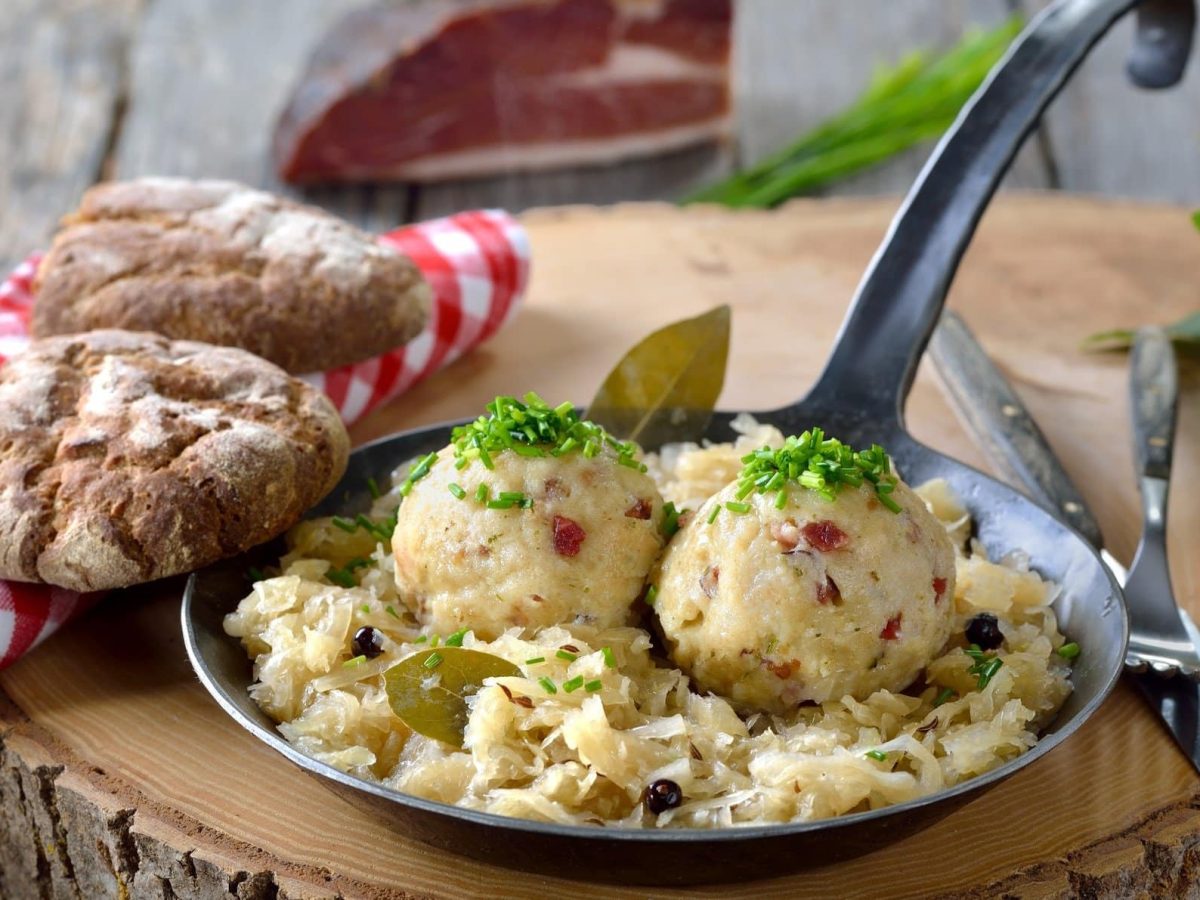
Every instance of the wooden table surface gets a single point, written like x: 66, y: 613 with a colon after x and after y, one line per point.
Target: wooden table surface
x: 120, y: 774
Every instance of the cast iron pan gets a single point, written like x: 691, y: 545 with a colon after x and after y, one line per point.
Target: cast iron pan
x: 859, y: 397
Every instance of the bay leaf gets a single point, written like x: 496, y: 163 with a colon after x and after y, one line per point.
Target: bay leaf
x: 429, y: 689
x: 665, y: 388
x: 1185, y: 334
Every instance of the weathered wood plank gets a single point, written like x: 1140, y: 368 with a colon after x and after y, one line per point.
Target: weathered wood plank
x: 61, y: 82
x: 86, y: 741
x: 208, y: 80
x: 1110, y: 137
x: 801, y: 61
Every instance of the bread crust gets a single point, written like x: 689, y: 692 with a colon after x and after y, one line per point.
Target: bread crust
x: 218, y: 262
x: 126, y: 457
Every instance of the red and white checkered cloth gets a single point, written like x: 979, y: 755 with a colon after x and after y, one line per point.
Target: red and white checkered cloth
x: 477, y: 264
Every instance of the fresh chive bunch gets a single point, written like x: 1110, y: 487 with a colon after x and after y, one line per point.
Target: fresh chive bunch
x: 905, y: 105
x: 532, y: 428
x: 820, y: 464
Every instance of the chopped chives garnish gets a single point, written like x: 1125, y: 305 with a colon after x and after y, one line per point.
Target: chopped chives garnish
x: 456, y: 490
x: 740, y: 508
x: 547, y: 685
x: 573, y: 684
x: 481, y: 493
x: 533, y: 661
x: 567, y: 655
x: 816, y: 463
x: 501, y: 504
x: 433, y: 641
x: 391, y: 611
x: 988, y: 672
x: 1069, y: 651
x: 341, y: 577
x: 461, y: 463
x: 514, y: 496
x: 418, y: 471
x: 592, y: 686
x: 877, y: 754
x: 943, y: 696
x: 432, y: 661
x: 651, y: 595
x: 985, y: 665
x: 670, y: 520
x: 529, y: 427
x: 422, y: 639
x: 714, y: 512
x: 609, y: 659
x: 366, y: 608
x: 373, y: 487
x: 456, y: 639
x: 380, y: 530
x: 354, y: 661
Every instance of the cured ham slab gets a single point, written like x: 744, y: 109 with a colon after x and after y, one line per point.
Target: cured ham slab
x: 435, y: 89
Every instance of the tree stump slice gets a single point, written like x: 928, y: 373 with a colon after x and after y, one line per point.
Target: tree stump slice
x: 121, y: 778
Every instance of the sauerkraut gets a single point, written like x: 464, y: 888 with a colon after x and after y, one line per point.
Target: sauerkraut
x: 598, y: 714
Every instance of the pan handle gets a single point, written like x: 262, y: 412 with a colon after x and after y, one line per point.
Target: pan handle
x: 896, y: 307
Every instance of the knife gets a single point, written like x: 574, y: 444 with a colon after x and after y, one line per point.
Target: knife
x: 1011, y: 440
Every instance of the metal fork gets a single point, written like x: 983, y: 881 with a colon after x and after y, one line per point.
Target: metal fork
x: 1164, y: 637
x: 1158, y: 638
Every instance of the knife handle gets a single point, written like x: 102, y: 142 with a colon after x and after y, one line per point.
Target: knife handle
x: 997, y: 418
x: 1153, y: 395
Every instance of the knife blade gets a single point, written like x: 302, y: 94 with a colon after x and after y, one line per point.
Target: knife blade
x: 1013, y: 443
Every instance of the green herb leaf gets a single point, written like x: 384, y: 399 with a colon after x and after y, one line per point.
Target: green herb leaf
x: 670, y: 520
x: 984, y: 667
x: 428, y: 691
x: 944, y: 696
x: 877, y: 754
x: 1185, y: 334
x: 609, y: 659
x: 665, y: 388
x: 1069, y: 651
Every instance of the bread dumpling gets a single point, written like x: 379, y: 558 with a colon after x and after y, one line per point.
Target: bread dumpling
x: 772, y: 607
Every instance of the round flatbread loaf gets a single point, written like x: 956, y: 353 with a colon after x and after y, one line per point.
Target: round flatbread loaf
x: 218, y: 262
x: 127, y: 457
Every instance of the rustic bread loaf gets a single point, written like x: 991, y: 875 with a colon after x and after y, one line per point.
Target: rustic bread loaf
x: 215, y: 261
x: 126, y: 457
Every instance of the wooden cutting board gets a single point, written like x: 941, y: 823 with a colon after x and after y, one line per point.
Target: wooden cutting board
x: 120, y: 777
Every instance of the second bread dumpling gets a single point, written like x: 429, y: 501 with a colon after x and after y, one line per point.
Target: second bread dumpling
x: 778, y: 598
x: 563, y: 527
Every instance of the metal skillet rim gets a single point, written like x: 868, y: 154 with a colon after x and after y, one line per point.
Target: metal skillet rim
x: 641, y: 835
